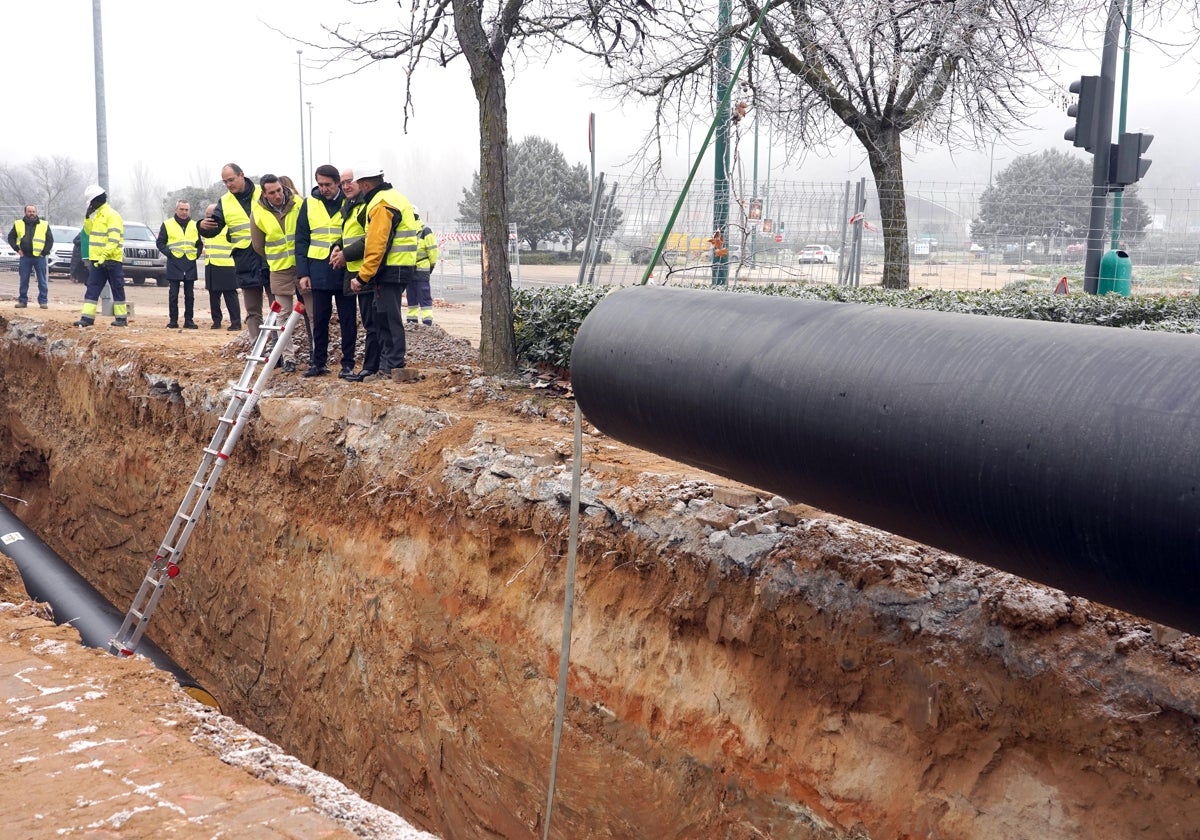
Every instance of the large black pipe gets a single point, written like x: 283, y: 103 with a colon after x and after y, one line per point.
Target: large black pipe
x: 51, y: 579
x: 1066, y: 454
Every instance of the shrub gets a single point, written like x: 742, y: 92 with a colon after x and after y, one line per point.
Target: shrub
x: 547, y: 319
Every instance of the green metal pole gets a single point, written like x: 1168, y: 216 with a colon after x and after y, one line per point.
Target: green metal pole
x: 754, y: 194
x: 1119, y: 194
x: 720, y: 264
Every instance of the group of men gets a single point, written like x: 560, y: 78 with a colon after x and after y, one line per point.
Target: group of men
x: 354, y: 245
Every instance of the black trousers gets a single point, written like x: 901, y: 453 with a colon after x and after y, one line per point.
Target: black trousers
x: 366, y: 310
x: 189, y: 299
x: 389, y: 319
x: 324, y: 301
x: 231, y: 304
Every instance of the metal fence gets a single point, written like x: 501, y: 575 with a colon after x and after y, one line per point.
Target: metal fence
x: 943, y: 252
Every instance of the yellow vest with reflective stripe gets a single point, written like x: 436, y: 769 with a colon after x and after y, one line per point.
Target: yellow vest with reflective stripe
x: 325, y: 229
x: 39, y: 235
x: 237, y: 223
x: 181, y: 241
x: 427, y: 250
x: 280, y: 247
x: 353, y: 232
x: 404, y: 244
x: 217, y: 250
x: 105, y: 231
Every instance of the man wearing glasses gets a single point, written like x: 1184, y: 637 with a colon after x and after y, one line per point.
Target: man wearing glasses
x: 351, y: 260
x: 233, y: 216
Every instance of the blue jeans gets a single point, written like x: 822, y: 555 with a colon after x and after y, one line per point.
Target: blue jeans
x: 24, y: 265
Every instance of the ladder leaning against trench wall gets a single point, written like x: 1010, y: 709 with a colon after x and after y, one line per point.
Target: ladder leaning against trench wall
x: 246, y: 394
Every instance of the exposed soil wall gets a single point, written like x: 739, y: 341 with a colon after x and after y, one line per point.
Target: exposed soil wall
x: 377, y: 586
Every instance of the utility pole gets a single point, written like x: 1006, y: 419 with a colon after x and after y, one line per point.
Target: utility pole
x: 1102, y: 150
x: 720, y: 263
x: 312, y: 160
x: 101, y: 118
x: 1119, y: 195
x: 300, y: 81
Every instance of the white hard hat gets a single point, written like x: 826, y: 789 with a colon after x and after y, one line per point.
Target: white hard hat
x: 91, y: 191
x: 369, y: 171
x: 416, y: 211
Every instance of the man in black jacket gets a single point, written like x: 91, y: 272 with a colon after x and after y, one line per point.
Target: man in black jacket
x: 179, y: 239
x: 233, y: 216
x: 32, y: 238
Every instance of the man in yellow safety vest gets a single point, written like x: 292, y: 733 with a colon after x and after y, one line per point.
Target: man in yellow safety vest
x: 105, y: 232
x: 220, y: 277
x: 318, y: 229
x: 389, y: 264
x: 179, y: 239
x: 32, y: 238
x: 232, y: 220
x: 274, y: 236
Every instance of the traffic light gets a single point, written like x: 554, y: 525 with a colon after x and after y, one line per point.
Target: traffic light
x: 756, y: 207
x: 1127, y: 166
x: 1086, y: 112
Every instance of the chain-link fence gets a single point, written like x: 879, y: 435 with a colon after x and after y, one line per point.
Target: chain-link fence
x: 807, y: 232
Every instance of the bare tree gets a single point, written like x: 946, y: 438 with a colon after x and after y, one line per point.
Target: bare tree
x: 59, y: 182
x: 147, y: 198
x: 484, y: 32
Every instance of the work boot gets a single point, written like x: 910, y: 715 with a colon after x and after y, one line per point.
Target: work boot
x: 216, y: 325
x: 43, y: 306
x: 172, y: 325
x: 427, y: 322
x: 412, y: 321
x: 190, y: 325
x: 21, y: 304
x: 84, y: 321
x: 348, y: 374
x: 316, y: 370
x: 234, y: 327
x: 120, y: 322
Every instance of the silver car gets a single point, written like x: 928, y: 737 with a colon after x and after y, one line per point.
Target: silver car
x: 142, y: 257
x: 58, y: 260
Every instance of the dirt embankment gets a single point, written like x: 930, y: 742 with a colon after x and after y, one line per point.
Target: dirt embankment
x: 377, y: 586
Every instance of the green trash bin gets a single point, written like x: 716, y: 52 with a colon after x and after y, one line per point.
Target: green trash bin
x: 1116, y: 274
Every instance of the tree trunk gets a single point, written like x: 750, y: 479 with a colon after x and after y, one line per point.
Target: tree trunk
x: 883, y: 152
x: 497, y: 341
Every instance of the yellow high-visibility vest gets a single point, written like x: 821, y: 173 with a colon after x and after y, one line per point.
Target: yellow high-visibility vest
x: 218, y: 251
x: 39, y: 235
x: 404, y: 244
x: 427, y: 250
x: 237, y: 223
x: 181, y: 241
x: 280, y: 247
x: 105, y: 231
x: 325, y: 229
x: 353, y: 233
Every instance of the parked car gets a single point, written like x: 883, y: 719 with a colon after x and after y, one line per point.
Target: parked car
x: 58, y: 261
x: 8, y: 257
x: 817, y: 254
x: 142, y: 257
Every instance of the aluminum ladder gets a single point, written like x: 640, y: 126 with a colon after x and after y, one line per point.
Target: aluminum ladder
x: 246, y: 394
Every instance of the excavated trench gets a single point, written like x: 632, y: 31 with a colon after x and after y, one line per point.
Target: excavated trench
x: 377, y: 586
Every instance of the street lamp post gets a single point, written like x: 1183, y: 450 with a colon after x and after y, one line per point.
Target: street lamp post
x: 300, y: 81
x: 311, y: 157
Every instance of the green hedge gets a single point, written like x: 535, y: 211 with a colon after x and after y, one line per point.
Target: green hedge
x: 546, y: 319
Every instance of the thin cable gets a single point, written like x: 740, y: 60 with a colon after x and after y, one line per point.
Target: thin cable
x: 564, y: 655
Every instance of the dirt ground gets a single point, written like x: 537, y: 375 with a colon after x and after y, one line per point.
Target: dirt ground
x: 742, y: 666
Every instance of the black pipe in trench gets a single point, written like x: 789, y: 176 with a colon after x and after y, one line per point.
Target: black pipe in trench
x: 1066, y: 454
x: 51, y: 579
